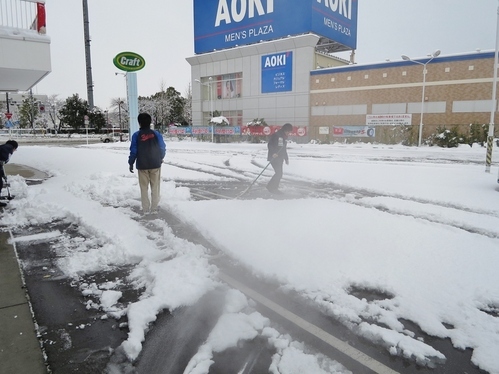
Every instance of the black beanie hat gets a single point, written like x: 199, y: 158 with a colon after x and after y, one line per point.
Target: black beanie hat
x: 12, y: 143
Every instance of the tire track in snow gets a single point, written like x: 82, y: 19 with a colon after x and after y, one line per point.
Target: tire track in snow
x: 418, y: 208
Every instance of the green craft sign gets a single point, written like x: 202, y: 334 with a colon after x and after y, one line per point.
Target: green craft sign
x: 129, y: 61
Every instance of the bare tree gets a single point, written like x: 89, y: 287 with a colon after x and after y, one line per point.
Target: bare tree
x: 52, y: 108
x: 120, y: 106
x: 188, y: 105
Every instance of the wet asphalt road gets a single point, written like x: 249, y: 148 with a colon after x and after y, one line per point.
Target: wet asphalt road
x: 76, y: 339
x: 79, y: 340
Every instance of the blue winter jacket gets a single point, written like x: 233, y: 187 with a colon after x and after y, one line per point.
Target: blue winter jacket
x: 147, y: 148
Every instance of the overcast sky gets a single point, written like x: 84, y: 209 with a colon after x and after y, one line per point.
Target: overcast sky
x: 162, y: 32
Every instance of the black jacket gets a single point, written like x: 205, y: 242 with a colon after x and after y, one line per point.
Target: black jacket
x: 6, y: 150
x: 277, y: 145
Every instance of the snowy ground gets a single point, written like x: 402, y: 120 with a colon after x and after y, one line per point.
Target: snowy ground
x: 420, y: 226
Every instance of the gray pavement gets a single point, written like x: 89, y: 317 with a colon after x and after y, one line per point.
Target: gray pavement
x: 20, y: 350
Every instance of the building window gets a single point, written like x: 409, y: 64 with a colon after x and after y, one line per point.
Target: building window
x: 391, y: 108
x: 234, y: 117
x: 338, y: 110
x: 471, y: 67
x: 332, y: 79
x: 472, y: 106
x: 404, y: 73
x: 385, y: 75
x: 366, y: 76
x: 228, y: 86
x: 447, y: 70
x: 316, y: 81
x: 428, y: 107
x: 349, y: 78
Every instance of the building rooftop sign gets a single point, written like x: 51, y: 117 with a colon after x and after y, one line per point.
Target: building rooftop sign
x: 221, y: 24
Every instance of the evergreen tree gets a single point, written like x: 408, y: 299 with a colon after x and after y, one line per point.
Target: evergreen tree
x: 97, y: 119
x: 176, y: 103
x: 477, y: 134
x: 73, y: 112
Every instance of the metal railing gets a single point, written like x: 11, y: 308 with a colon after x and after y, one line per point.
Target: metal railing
x: 23, y: 14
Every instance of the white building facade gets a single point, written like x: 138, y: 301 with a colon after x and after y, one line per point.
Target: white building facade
x: 230, y: 82
x: 253, y: 57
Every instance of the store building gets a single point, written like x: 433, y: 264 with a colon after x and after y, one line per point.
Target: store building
x: 457, y: 91
x: 273, y: 60
x: 253, y: 61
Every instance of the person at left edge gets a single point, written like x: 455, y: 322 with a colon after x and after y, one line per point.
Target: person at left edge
x: 147, y: 150
x: 6, y: 150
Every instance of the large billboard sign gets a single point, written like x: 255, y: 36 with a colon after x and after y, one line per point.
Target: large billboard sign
x: 277, y: 72
x: 221, y: 24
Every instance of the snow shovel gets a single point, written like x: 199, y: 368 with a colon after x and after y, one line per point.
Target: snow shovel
x: 6, y: 184
x: 258, y: 176
x: 252, y: 183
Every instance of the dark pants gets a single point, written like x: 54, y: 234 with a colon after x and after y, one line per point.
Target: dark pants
x: 2, y: 176
x: 276, y: 178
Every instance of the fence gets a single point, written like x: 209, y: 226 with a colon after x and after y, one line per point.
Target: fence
x: 23, y: 14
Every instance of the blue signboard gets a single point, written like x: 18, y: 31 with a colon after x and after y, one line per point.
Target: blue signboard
x: 9, y: 124
x: 336, y: 20
x: 221, y: 24
x: 277, y: 72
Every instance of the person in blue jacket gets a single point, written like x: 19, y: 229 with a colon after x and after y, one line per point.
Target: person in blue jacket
x: 147, y: 151
x: 6, y: 150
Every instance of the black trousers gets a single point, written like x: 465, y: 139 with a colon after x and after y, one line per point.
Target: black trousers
x: 2, y: 176
x: 276, y: 178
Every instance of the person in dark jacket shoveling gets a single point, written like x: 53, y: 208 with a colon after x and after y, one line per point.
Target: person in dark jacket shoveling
x: 277, y: 155
x: 6, y: 150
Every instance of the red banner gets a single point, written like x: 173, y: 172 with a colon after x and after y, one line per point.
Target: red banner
x: 41, y: 24
x: 200, y: 131
x: 269, y: 130
x: 177, y: 131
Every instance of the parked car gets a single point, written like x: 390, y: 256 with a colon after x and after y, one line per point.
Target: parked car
x: 114, y: 137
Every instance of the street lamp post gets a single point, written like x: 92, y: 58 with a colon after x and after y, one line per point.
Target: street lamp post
x: 210, y: 79
x: 120, y: 101
x: 406, y: 58
x: 490, y: 135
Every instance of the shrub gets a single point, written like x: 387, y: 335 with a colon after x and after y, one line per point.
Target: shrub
x: 447, y: 138
x: 477, y: 134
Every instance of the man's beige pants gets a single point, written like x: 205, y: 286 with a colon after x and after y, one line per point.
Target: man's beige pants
x: 150, y: 177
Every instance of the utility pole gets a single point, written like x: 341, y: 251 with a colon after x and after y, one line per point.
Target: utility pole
x: 490, y: 137
x: 90, y: 85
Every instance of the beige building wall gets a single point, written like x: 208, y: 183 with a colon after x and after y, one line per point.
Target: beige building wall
x: 361, y: 89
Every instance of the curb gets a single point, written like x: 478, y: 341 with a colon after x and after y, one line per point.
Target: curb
x: 20, y: 350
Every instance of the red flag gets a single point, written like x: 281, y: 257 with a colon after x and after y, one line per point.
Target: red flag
x: 41, y: 18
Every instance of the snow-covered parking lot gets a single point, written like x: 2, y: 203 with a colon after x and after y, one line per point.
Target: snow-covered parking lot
x: 419, y: 226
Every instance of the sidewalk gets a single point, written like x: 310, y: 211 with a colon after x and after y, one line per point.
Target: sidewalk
x: 20, y: 350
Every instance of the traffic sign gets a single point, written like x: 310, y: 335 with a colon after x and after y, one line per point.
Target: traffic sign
x: 8, y: 115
